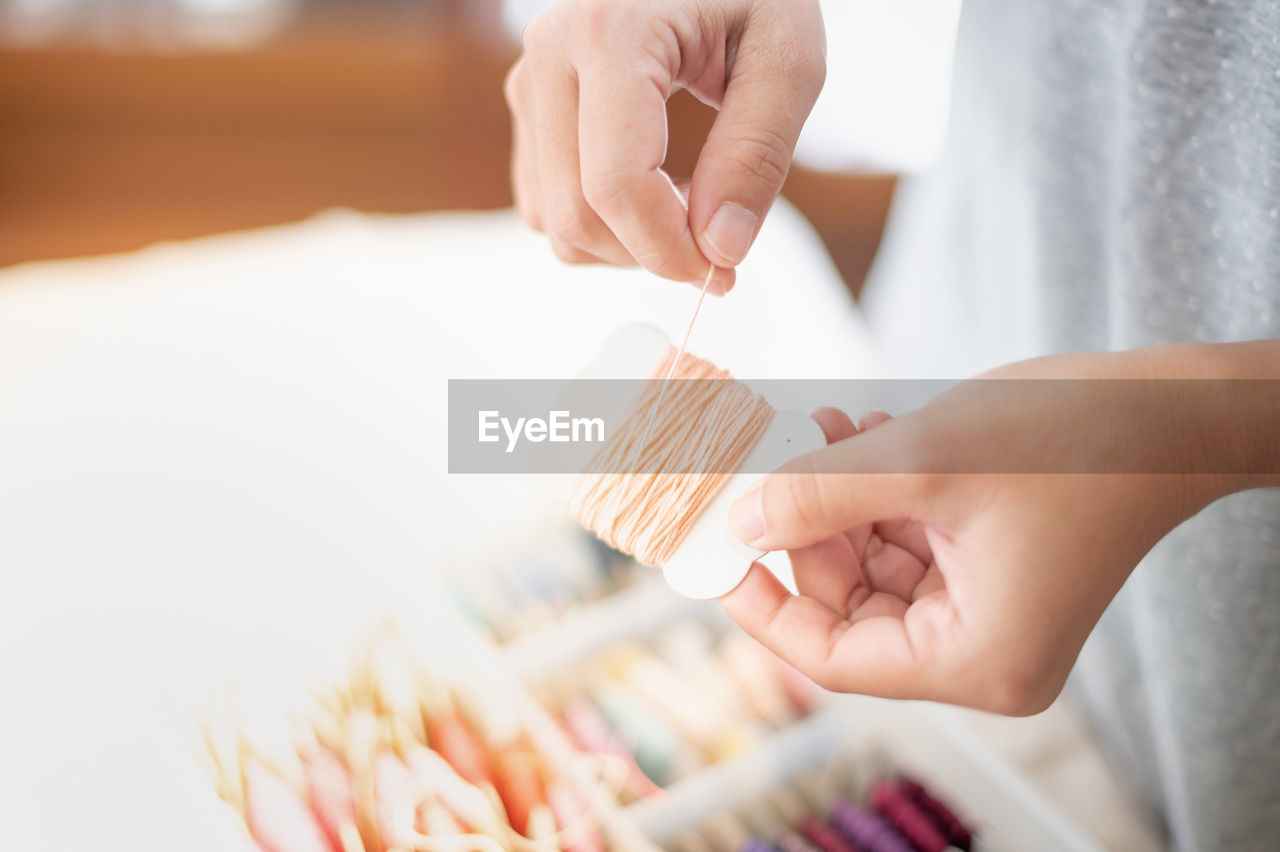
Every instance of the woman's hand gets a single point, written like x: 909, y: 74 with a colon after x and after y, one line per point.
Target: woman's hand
x: 588, y: 101
x: 963, y: 552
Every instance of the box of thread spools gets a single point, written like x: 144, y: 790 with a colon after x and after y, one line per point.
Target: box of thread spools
x: 575, y: 703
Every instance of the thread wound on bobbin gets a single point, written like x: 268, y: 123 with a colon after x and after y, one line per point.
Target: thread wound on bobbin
x: 678, y: 446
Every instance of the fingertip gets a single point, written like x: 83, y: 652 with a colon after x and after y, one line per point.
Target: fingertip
x: 835, y: 424
x: 722, y: 281
x: 872, y: 420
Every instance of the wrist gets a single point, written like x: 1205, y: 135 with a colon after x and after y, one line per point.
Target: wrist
x: 1224, y: 414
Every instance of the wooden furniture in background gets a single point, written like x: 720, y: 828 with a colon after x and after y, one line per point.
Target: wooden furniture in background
x: 109, y: 151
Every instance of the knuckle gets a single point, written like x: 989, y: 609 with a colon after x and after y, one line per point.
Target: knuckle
x: 916, y: 488
x: 602, y: 23
x: 916, y: 451
x: 806, y: 67
x: 596, y: 16
x: 669, y: 265
x: 762, y: 153
x: 800, y: 58
x: 604, y: 189
x: 610, y: 195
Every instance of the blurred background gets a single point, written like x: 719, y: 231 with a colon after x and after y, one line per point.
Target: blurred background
x: 126, y: 122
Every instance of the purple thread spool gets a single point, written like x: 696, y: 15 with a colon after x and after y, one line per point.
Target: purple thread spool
x: 755, y: 845
x: 914, y: 824
x: 957, y: 832
x: 868, y: 830
x: 824, y: 836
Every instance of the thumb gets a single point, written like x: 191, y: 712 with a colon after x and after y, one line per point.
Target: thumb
x: 774, y: 80
x: 828, y: 492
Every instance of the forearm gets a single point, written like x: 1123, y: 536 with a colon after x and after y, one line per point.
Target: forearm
x: 1226, y: 413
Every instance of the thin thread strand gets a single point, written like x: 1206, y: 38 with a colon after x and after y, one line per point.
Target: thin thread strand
x: 684, y: 344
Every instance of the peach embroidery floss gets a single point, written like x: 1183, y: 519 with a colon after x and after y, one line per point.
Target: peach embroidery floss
x: 684, y: 344
x: 684, y: 438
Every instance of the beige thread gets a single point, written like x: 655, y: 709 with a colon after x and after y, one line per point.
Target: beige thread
x: 645, y: 488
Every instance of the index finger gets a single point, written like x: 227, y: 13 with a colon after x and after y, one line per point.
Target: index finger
x: 622, y: 139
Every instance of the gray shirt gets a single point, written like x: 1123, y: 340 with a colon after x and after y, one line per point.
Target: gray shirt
x: 1112, y: 180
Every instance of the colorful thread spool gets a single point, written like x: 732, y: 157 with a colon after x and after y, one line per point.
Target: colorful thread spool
x: 332, y: 798
x: 823, y: 836
x: 278, y: 817
x: 908, y: 818
x: 394, y: 814
x: 690, y: 434
x: 573, y: 818
x: 431, y: 772
x: 654, y: 744
x: 519, y: 782
x: 591, y: 733
x: 458, y: 744
x: 789, y: 809
x: 757, y: 845
x: 957, y: 832
x: 867, y: 829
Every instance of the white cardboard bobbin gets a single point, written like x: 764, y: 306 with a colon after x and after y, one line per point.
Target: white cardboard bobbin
x: 711, y: 561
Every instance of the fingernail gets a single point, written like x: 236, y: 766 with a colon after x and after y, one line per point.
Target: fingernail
x: 746, y: 516
x: 731, y: 230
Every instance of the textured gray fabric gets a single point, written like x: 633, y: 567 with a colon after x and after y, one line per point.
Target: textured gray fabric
x: 1112, y: 180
